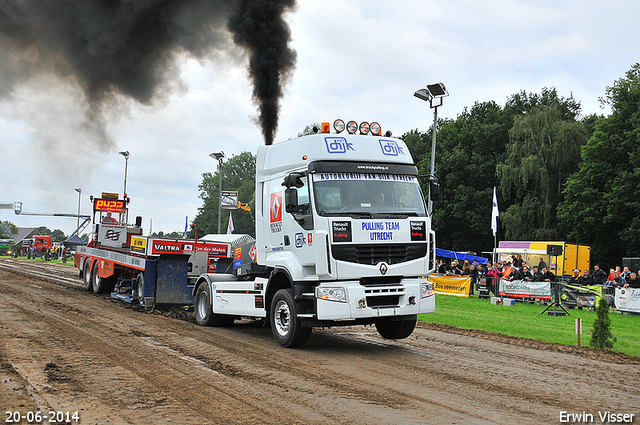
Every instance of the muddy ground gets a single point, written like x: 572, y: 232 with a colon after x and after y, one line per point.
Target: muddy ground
x: 65, y: 350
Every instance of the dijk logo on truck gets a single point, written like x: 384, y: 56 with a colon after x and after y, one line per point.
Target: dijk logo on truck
x: 338, y: 145
x: 391, y: 148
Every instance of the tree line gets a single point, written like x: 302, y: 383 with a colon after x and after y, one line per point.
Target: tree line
x: 559, y: 176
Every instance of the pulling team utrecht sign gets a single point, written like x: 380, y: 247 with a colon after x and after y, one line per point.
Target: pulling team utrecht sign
x: 381, y: 230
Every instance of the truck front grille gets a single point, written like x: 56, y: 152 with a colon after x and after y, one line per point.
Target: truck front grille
x: 386, y: 301
x: 388, y: 296
x: 376, y: 253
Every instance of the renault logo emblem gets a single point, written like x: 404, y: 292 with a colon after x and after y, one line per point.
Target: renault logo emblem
x: 383, y: 268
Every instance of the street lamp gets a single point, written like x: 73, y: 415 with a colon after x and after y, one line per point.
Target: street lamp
x: 77, y: 189
x: 219, y: 156
x: 434, y: 94
x: 126, y: 163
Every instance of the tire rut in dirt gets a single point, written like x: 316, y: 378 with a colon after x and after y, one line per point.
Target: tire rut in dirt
x: 147, y: 371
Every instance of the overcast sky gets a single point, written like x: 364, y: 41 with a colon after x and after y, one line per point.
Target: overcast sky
x: 357, y: 59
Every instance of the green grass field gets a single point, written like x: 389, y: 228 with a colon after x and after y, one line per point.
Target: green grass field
x: 68, y: 263
x: 525, y: 320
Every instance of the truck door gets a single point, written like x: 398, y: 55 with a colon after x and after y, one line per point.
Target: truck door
x: 298, y: 225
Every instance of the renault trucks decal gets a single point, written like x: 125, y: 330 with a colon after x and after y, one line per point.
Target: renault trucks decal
x: 275, y: 212
x: 341, y: 231
x: 418, y: 231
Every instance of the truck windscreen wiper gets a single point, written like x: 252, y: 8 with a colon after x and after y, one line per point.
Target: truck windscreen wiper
x: 358, y: 214
x: 400, y: 214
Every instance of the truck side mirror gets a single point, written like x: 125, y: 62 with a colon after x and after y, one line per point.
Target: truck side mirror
x: 434, y: 190
x: 291, y: 200
x: 293, y: 180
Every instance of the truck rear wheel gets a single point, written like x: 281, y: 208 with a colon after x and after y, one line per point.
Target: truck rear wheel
x: 286, y: 327
x: 397, y: 329
x: 140, y: 287
x: 86, y: 275
x: 203, y: 310
x: 100, y: 285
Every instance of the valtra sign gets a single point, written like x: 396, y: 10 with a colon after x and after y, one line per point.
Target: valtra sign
x: 159, y: 246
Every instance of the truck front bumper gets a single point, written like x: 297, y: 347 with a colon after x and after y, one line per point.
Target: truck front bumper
x: 349, y: 300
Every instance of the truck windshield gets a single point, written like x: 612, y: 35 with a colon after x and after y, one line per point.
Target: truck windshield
x: 367, y: 194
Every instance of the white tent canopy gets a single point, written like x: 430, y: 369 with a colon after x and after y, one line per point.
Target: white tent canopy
x: 232, y: 239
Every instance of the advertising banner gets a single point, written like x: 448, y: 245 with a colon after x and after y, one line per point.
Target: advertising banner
x: 458, y: 286
x: 229, y: 200
x: 524, y: 289
x: 628, y: 299
x: 113, y: 235
x: 138, y: 244
x: 163, y: 246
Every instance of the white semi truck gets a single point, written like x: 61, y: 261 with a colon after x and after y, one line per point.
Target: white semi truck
x: 342, y: 238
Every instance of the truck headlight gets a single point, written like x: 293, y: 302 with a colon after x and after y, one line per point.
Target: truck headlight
x: 426, y: 289
x: 332, y: 294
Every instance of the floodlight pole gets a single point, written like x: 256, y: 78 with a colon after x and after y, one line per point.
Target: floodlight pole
x: 126, y: 166
x: 434, y: 94
x: 219, y: 156
x: 433, y: 154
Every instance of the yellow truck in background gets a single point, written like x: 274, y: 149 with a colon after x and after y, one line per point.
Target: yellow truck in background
x: 560, y: 257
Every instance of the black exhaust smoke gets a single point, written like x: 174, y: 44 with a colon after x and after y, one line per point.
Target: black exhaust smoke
x: 129, y: 47
x: 259, y: 27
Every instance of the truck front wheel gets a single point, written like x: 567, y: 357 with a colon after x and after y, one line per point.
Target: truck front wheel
x: 203, y: 310
x: 286, y: 327
x: 396, y: 329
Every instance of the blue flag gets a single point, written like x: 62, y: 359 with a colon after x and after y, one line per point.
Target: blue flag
x: 186, y: 226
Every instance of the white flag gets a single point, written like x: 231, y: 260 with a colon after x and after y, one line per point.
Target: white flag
x: 230, y: 226
x: 494, y: 213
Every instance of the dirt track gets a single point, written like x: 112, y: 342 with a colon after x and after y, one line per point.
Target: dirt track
x: 62, y: 349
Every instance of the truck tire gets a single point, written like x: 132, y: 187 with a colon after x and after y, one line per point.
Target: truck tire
x: 286, y: 328
x: 86, y: 275
x: 101, y: 285
x: 397, y: 329
x: 203, y: 310
x: 140, y: 287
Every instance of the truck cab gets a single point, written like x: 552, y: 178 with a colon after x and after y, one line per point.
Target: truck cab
x: 342, y: 238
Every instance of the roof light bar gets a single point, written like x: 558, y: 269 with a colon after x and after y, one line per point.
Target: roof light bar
x: 352, y: 127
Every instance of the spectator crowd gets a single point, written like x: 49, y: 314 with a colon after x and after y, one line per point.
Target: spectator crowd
x: 55, y: 252
x: 518, y: 269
